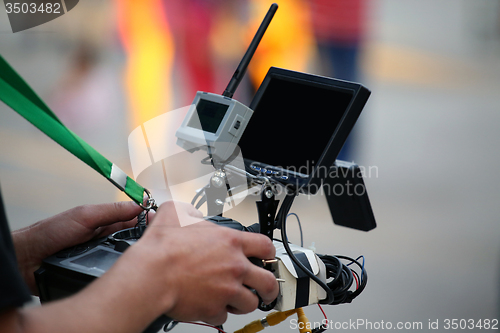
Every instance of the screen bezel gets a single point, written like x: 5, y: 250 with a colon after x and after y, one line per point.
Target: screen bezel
x: 199, y: 136
x: 360, y: 94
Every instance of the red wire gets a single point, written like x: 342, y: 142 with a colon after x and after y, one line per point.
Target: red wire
x: 201, y: 324
x: 321, y: 308
x: 356, y: 278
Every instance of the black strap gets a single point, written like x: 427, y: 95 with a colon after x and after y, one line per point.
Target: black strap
x: 303, y: 281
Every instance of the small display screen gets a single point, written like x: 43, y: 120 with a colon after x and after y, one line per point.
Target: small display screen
x: 301, y: 117
x: 210, y: 116
x: 100, y: 259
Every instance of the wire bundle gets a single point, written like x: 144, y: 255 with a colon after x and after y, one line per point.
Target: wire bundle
x: 342, y: 278
x: 338, y: 289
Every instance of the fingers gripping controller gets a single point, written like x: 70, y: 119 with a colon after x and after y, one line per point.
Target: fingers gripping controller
x: 297, y: 289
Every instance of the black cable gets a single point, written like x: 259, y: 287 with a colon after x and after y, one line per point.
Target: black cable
x: 335, y: 272
x: 342, y: 278
x: 340, y: 275
x: 338, y: 289
x: 363, y: 277
x: 284, y: 209
x: 320, y: 329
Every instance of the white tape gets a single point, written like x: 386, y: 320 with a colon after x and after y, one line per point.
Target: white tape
x: 118, y: 177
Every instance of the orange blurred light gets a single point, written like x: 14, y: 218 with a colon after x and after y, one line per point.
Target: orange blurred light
x: 146, y: 36
x: 288, y: 42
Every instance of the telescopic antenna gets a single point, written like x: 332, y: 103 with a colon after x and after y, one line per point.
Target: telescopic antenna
x: 242, y: 67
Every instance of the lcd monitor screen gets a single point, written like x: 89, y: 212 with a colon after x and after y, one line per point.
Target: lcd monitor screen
x: 301, y: 121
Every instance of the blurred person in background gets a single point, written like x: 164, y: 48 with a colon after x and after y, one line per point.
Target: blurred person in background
x: 339, y: 28
x: 211, y: 37
x: 288, y: 42
x: 229, y: 40
x: 87, y: 97
x: 191, y: 22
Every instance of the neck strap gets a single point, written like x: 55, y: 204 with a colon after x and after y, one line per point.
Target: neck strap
x: 21, y: 98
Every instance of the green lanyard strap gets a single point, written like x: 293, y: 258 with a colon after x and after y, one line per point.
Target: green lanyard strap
x: 21, y: 98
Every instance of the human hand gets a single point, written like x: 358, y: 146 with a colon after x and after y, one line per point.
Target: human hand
x: 198, y: 272
x: 67, y: 229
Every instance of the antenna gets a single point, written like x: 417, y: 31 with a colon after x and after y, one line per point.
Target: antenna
x: 242, y: 67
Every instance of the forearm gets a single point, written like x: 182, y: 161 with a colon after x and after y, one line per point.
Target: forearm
x: 86, y: 312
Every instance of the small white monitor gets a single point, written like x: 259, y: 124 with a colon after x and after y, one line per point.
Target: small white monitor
x: 214, y: 123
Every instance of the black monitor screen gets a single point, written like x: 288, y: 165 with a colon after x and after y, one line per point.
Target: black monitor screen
x: 293, y: 121
x: 210, y: 116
